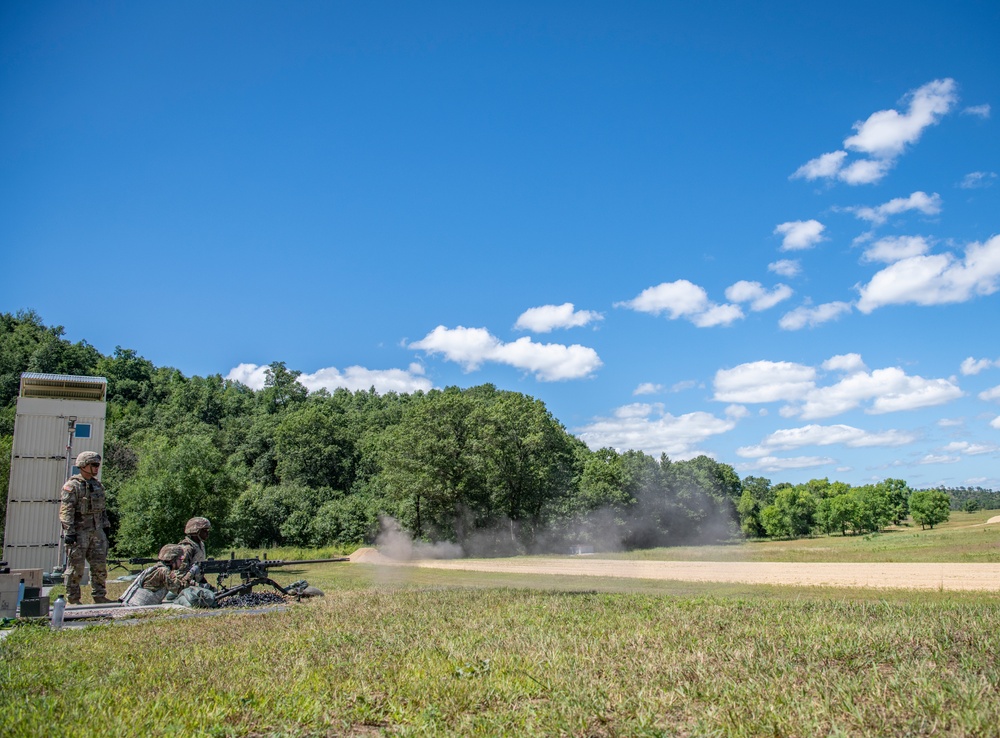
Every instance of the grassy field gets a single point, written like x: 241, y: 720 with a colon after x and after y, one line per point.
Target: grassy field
x: 423, y: 652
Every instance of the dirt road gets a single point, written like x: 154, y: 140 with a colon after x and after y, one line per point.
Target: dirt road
x: 896, y: 576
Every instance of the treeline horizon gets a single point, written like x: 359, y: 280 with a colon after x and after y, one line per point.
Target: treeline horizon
x: 489, y: 470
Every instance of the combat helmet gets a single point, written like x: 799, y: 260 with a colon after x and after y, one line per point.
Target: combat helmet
x: 194, y: 525
x: 169, y: 553
x: 86, y: 458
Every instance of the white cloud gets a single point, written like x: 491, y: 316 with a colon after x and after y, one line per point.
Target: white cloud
x: 939, y: 459
x: 883, y: 137
x: 849, y: 363
x: 718, y: 315
x: 919, y: 201
x: 650, y: 429
x: 935, y: 279
x: 886, y: 390
x: 774, y: 464
x: 970, y: 449
x: 683, y: 385
x: 471, y: 347
x: 736, y: 412
x: 755, y: 293
x: 995, y: 423
x: 824, y: 166
x: 800, y: 234
x: 879, y: 391
x: 980, y: 111
x: 950, y: 422
x: 895, y: 248
x: 764, y: 381
x: 886, y: 133
x: 682, y: 298
x: 785, y: 267
x: 648, y: 388
x: 993, y: 393
x: 974, y: 366
x: 545, y: 318
x: 804, y: 316
x: 353, y: 378
x: 825, y: 435
x: 977, y: 180
x: 865, y: 171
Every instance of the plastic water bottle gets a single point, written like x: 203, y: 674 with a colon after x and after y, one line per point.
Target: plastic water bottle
x: 20, y: 594
x: 58, y: 610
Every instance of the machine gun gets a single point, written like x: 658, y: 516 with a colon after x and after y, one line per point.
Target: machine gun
x: 253, y: 572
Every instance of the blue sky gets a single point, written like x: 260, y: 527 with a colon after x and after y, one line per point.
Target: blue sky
x: 768, y: 235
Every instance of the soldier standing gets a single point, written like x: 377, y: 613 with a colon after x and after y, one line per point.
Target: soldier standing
x: 84, y: 518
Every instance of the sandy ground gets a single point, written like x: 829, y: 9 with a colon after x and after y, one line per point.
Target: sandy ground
x: 894, y: 576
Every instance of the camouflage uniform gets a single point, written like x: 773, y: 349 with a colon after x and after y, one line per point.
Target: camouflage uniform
x: 152, y: 584
x: 83, y: 512
x: 192, y: 545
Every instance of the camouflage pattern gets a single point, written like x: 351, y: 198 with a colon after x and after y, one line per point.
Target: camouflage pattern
x: 83, y: 512
x: 91, y: 545
x: 154, y: 583
x: 170, y: 552
x: 194, y: 551
x: 86, y: 458
x: 195, y: 525
x: 83, y: 505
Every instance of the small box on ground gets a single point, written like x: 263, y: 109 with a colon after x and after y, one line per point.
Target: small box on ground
x: 31, y: 577
x: 36, y: 607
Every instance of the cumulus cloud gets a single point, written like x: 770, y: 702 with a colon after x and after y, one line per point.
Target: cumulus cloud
x: 974, y: 366
x: 825, y: 435
x: 785, y: 267
x: 649, y: 428
x: 970, y: 449
x: 764, y: 381
x: 757, y: 295
x: 353, y: 378
x: 546, y: 318
x: 935, y: 279
x: 993, y: 393
x: 939, y: 459
x: 879, y: 391
x: 977, y: 180
x: 683, y: 299
x: 886, y: 133
x: 980, y: 111
x: 995, y: 423
x: 822, y: 167
x: 800, y: 234
x: 884, y: 136
x: 896, y: 248
x: 773, y: 464
x: 648, y: 388
x: 804, y: 316
x: 472, y: 347
x: 919, y: 201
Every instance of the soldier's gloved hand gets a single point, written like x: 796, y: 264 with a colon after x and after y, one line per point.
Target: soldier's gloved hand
x: 70, y: 539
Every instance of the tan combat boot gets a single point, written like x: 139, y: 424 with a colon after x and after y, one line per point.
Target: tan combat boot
x: 101, y: 600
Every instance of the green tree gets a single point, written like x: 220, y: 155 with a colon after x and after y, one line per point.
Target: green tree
x: 176, y: 480
x: 930, y: 507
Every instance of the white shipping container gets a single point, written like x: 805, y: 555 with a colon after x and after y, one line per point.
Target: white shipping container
x: 58, y: 416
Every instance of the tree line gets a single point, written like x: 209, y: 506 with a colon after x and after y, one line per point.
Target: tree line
x: 488, y: 469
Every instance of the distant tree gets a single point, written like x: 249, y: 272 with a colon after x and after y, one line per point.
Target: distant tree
x: 970, y: 506
x: 930, y: 507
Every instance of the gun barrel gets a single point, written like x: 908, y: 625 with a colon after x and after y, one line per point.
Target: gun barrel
x: 304, y: 561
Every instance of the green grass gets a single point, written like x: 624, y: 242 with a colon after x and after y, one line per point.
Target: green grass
x: 399, y: 651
